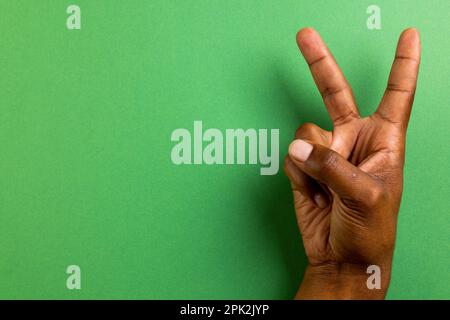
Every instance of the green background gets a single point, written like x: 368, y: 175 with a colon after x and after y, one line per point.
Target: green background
x: 85, y: 122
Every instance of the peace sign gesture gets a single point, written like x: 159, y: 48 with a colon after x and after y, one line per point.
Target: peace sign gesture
x: 347, y: 183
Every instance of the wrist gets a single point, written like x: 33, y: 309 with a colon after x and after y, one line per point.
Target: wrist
x: 343, y: 281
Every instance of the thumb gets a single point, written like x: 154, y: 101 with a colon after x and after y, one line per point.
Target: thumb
x: 330, y: 168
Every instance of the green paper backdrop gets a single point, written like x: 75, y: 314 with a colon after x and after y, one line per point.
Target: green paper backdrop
x: 85, y: 122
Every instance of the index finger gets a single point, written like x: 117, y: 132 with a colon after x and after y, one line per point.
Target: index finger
x: 333, y: 87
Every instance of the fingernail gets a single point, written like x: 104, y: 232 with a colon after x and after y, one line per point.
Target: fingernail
x: 320, y: 201
x: 300, y: 150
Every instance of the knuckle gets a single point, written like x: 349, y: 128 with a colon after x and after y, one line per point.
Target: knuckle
x: 345, y: 118
x: 401, y: 87
x: 330, y: 92
x: 306, y: 130
x: 375, y: 195
x: 329, y: 161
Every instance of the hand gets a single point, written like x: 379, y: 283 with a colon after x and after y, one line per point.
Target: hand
x: 348, y: 183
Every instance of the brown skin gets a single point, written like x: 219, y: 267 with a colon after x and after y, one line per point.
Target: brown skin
x: 348, y: 183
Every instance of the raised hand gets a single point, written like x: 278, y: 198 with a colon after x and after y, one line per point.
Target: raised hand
x: 348, y: 183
